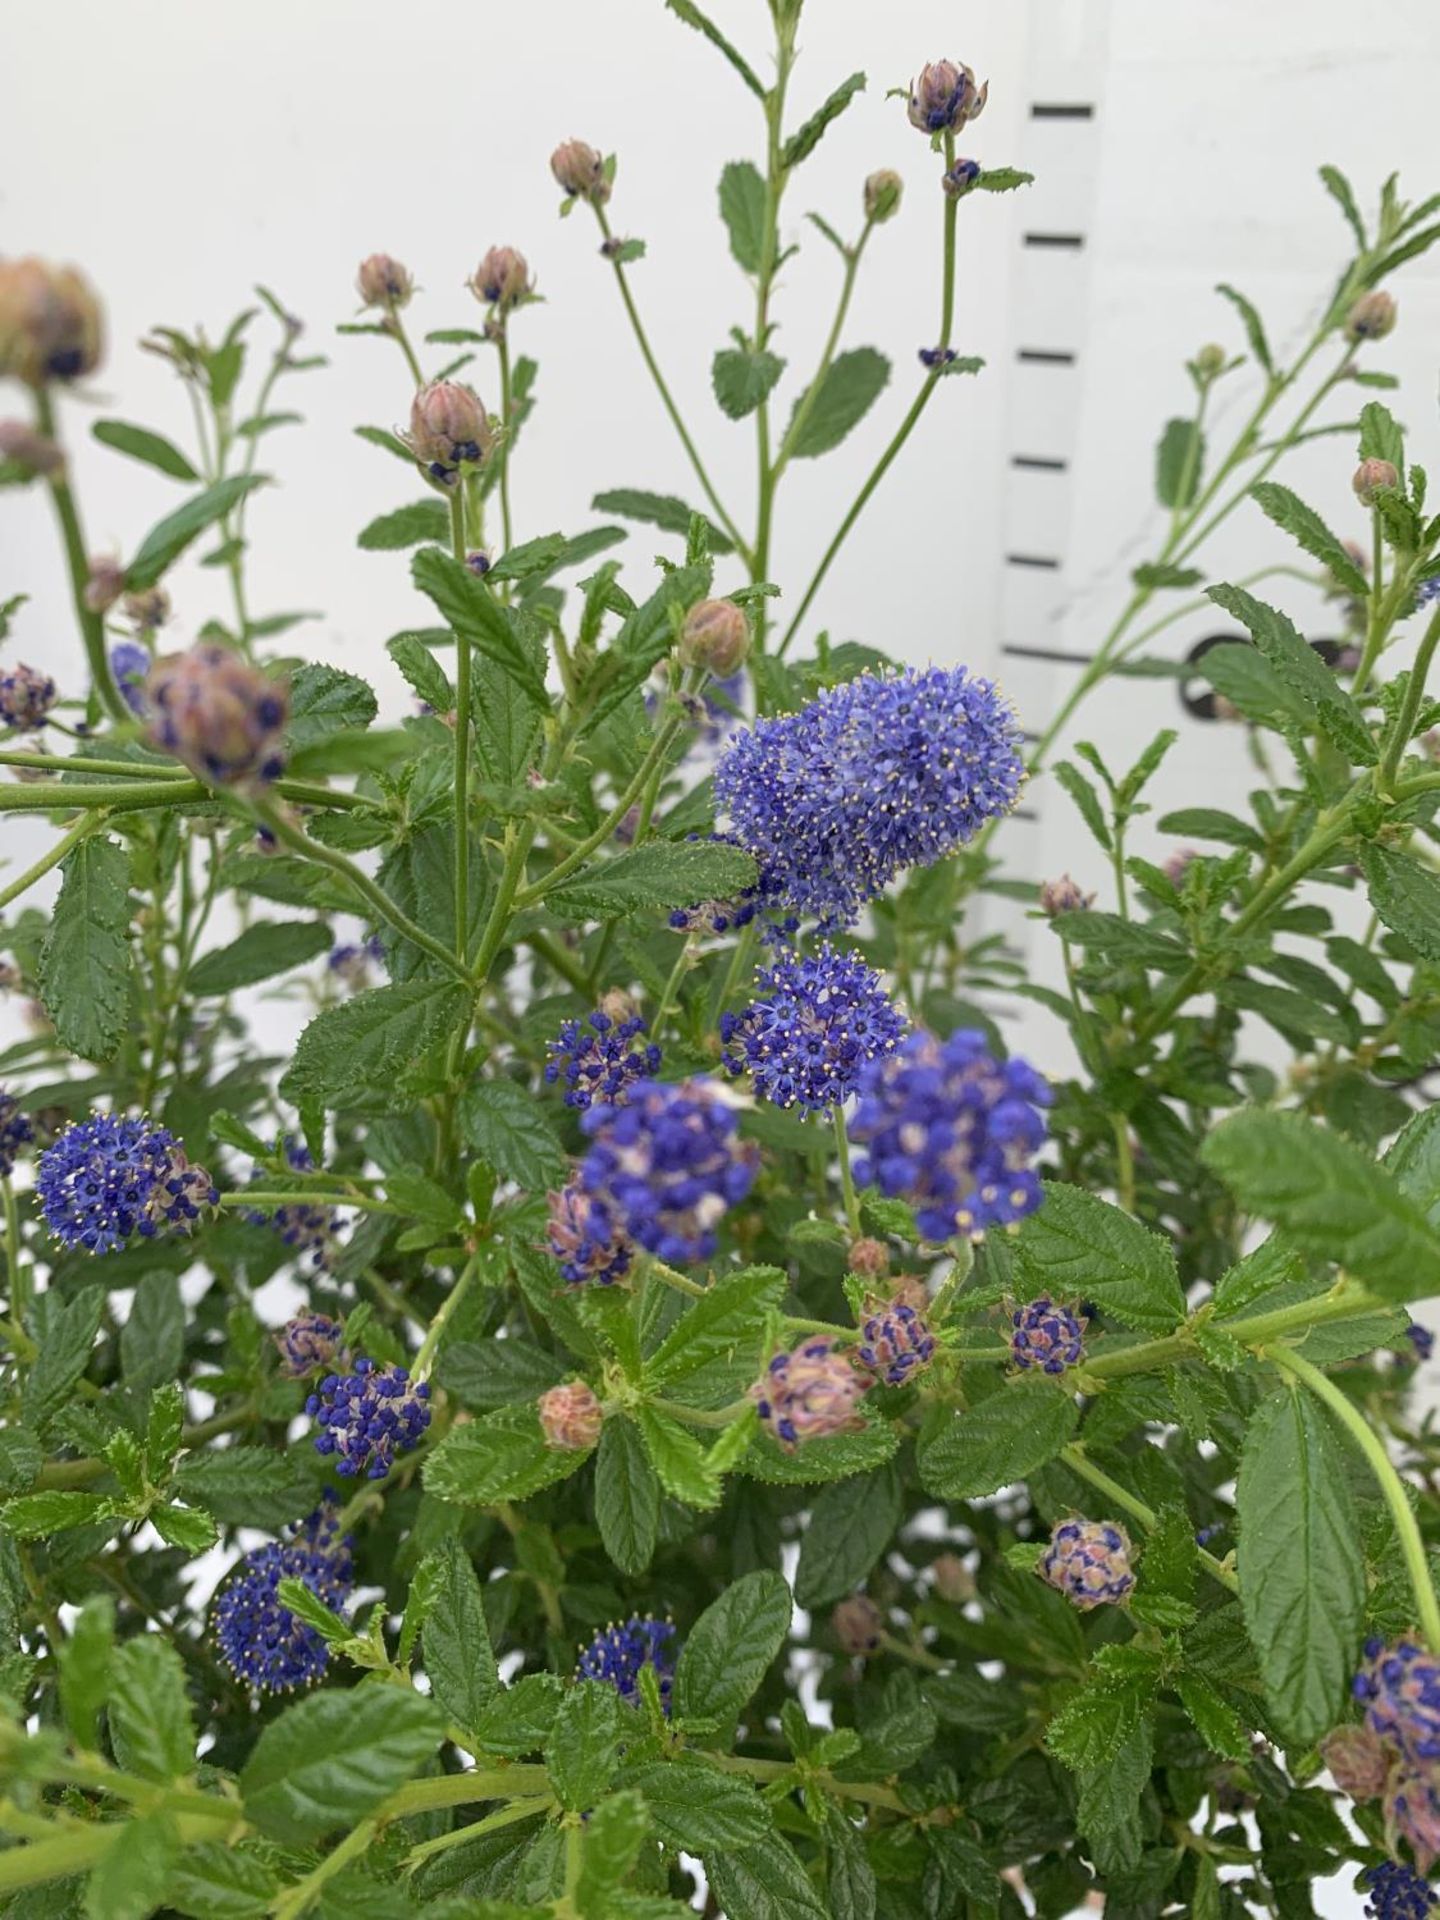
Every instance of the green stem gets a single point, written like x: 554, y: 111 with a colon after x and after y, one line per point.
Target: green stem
x: 464, y: 1789
x: 117, y: 797
x: 577, y: 857
x: 1392, y: 1487
x: 563, y: 963
x: 395, y: 327
x: 257, y: 1197
x: 294, y: 1901
x: 81, y: 829
x: 1404, y: 724
x: 92, y: 626
x: 462, y: 748
x: 964, y: 1259
x: 61, y: 1474
x: 1343, y: 1302
x: 847, y: 1176
x: 812, y: 393
x: 425, y: 1358
x: 703, y: 1416
x: 503, y: 1817
x: 671, y: 992
x: 503, y: 346
x: 676, y: 1280
x: 16, y: 1278
x: 1074, y: 1457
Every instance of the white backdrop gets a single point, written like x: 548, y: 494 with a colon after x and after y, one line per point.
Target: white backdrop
x: 178, y: 163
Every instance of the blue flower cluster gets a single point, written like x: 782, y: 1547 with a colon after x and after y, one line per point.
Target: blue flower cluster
x: 262, y: 1642
x: 108, y: 1177
x: 952, y: 1130
x: 667, y: 1166
x: 307, y: 1343
x: 585, y: 1237
x: 302, y: 1223
x: 618, y: 1655
x: 896, y: 1341
x: 1046, y: 1336
x: 1397, y: 1893
x: 874, y: 776
x: 1399, y: 1687
x: 1412, y: 1812
x: 820, y: 1018
x: 367, y: 1417
x: 15, y: 1131
x: 601, y: 1064
x: 1089, y: 1562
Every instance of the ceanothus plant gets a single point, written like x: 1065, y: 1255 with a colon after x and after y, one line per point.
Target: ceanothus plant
x: 654, y: 1406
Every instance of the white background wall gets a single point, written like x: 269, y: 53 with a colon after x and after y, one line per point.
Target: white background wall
x: 178, y: 162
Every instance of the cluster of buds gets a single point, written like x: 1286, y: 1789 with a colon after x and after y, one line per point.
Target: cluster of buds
x: 571, y: 1417
x: 580, y: 172
x: 715, y: 636
x: 808, y: 1393
x: 945, y: 97
x: 50, y: 327
x: 1371, y: 318
x: 1047, y: 1336
x: 1089, y: 1562
x: 882, y: 195
x: 26, y: 697
x: 1373, y: 477
x: 449, y: 429
x: 310, y: 1343
x: 36, y: 457
x: 1063, y: 896
x: 384, y: 283
x: 502, y: 280
x: 896, y: 1341
x: 224, y: 718
x: 859, y: 1625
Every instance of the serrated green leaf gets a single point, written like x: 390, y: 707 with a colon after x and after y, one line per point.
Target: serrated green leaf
x: 731, y: 1314
x: 152, y: 449
x: 407, y: 526
x: 660, y: 874
x: 1306, y: 527
x: 687, y: 11
x: 851, y: 385
x: 764, y: 1882
x: 998, y: 1442
x: 729, y: 1648
x: 459, y: 1659
x: 834, y: 1456
x: 1302, y: 670
x: 1124, y: 942
x: 1252, y: 323
x: 1405, y: 894
x: 583, y: 1752
x: 808, y: 135
x: 187, y: 1528
x: 512, y: 1132
x: 502, y: 1457
x: 64, y: 1356
x: 130, y: 1881
x: 330, y: 1760
x: 362, y: 1048
x: 259, y: 953
x: 850, y: 1526
x: 84, y: 1662
x: 169, y: 538
x: 696, y: 1807
x: 427, y: 678
x: 741, y: 379
x: 627, y: 1497
x: 742, y: 208
x: 1179, y: 461
x: 85, y: 961
x: 662, y: 510
x: 679, y: 1459
x: 33, y: 1516
x: 151, y: 1726
x: 1078, y: 1246
x: 325, y: 701
x: 474, y: 614
x: 1214, y: 1719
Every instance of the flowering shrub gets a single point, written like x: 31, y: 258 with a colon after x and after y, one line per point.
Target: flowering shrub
x: 653, y: 1406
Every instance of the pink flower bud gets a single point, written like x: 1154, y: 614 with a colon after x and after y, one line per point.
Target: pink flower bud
x: 945, y: 97
x: 23, y: 447
x: 449, y: 428
x: 716, y: 636
x: 1372, y: 477
x: 869, y: 1258
x: 1063, y: 896
x: 50, y: 324
x: 882, y: 195
x: 1412, y: 1810
x: 954, y: 1582
x: 858, y: 1625
x: 105, y: 584
x: 1372, y: 317
x: 224, y: 718
x: 1359, y: 1760
x: 580, y: 171
x: 383, y: 282
x: 571, y: 1417
x: 502, y: 279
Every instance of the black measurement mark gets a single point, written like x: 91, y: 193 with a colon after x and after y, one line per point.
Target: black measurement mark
x: 1043, y: 561
x: 1045, y: 357
x: 1047, y: 653
x: 1073, y: 241
x: 1054, y: 110
x: 1035, y: 463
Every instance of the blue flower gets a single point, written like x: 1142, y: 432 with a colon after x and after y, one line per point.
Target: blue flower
x: 952, y: 1130
x: 130, y: 664
x: 307, y: 1225
x: 820, y: 1019
x: 667, y: 1165
x: 1428, y: 592
x: 1046, y: 1336
x: 617, y: 1656
x: 367, y: 1417
x: 585, y: 1237
x: 1400, y: 1688
x: 107, y: 1178
x: 874, y: 776
x: 15, y: 1131
x: 1396, y: 1893
x: 1421, y: 1339
x: 262, y: 1642
x: 1089, y: 1562
x: 896, y: 1342
x: 351, y: 963
x: 307, y: 1343
x: 599, y: 1065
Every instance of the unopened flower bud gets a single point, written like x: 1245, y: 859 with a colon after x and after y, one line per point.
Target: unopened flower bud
x: 580, y: 170
x: 105, y: 584
x: 23, y: 447
x: 1209, y: 361
x: 383, y: 282
x: 1372, y: 477
x: 1064, y: 896
x: 1089, y: 1562
x: 1372, y: 317
x: 869, y: 1258
x: 716, y: 635
x: 961, y: 178
x: 50, y: 327
x: 449, y: 428
x: 1179, y: 864
x: 617, y: 1005
x: 858, y: 1624
x: 478, y: 562
x: 26, y: 696
x: 945, y: 97
x: 882, y: 195
x: 910, y: 1290
x: 502, y: 279
x: 954, y: 1581
x: 1412, y: 1812
x: 1359, y: 1760
x: 224, y: 718
x: 149, y: 610
x: 571, y: 1417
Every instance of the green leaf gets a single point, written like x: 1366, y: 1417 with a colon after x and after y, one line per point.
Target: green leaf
x: 834, y: 1456
x: 997, y: 1442
x: 518, y: 1719
x: 217, y: 1882
x: 325, y: 701
x: 1288, y: 1012
x: 471, y: 610
x: 150, y: 1722
x: 1381, y: 437
x: 387, y: 442
x: 502, y: 1457
x: 1156, y: 574
x: 627, y: 1497
x: 21, y: 1458
x: 151, y: 448
x: 849, y: 1877
x: 1339, y: 189
x: 1094, y: 1720
x: 169, y: 538
x: 1108, y: 1810
x: 808, y: 135
x: 363, y: 1047
x: 764, y: 1882
x: 187, y: 1528
x: 1209, y: 823
x: 1332, y: 1201
x: 1124, y: 942
x: 1003, y: 179
x: 1078, y: 1246
x: 245, y: 1486
x: 851, y: 385
x: 697, y: 1808
x: 512, y: 1132
x: 1246, y: 679
x: 662, y: 510
x: 1179, y: 461
x: 583, y: 1751
x: 1413, y: 1157
x: 1303, y: 672
x: 84, y: 1661
x: 330, y: 1760
x: 1253, y: 325
x: 64, y: 1356
x: 679, y: 1459
x: 728, y: 1650
x: 1082, y: 792
x: 152, y: 1341
x: 85, y: 961
x: 261, y: 951
x: 615, y: 1830
x: 661, y: 873
x: 1405, y: 895
x: 850, y: 1526
x: 1306, y: 527
x: 1302, y: 1572
x: 408, y: 526
x: 742, y: 379
x: 35, y: 1515
x: 131, y: 1879
x: 730, y: 1315
x: 1214, y: 1719
x: 742, y: 208
x: 687, y: 11
x: 427, y: 678
x: 459, y: 1659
